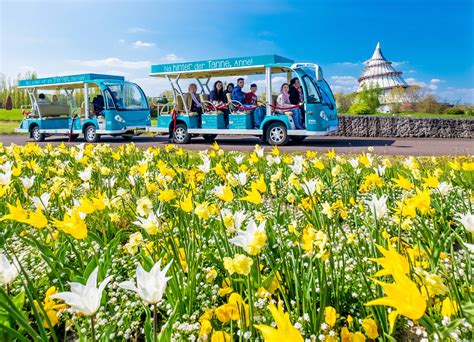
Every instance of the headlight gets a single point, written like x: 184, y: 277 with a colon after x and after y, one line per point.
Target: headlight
x: 119, y: 118
x: 323, y: 115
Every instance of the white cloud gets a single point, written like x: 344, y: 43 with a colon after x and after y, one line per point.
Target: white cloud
x: 436, y: 80
x: 171, y: 58
x: 115, y: 63
x: 137, y: 30
x: 349, y: 64
x: 345, y: 80
x: 276, y: 84
x: 153, y: 86
x: 396, y: 64
x: 140, y: 44
x: 432, y: 86
x: 455, y: 95
x: 336, y: 88
x: 414, y: 81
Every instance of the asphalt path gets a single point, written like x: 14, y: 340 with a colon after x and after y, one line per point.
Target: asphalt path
x: 385, y: 146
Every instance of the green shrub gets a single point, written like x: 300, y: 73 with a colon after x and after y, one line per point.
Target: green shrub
x: 454, y: 110
x: 359, y: 109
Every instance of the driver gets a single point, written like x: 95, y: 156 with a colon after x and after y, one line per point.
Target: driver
x: 118, y: 100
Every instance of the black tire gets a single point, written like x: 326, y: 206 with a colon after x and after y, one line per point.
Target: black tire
x: 181, y: 135
x: 36, y: 135
x: 277, y: 134
x: 127, y: 137
x: 297, y: 138
x: 90, y: 134
x: 209, y: 137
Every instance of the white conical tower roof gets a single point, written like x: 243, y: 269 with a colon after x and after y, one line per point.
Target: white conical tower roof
x: 379, y: 71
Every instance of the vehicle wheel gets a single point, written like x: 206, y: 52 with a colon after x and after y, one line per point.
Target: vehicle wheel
x: 209, y: 137
x: 90, y: 134
x: 277, y: 134
x: 181, y: 135
x: 127, y: 137
x: 297, y: 138
x: 36, y: 135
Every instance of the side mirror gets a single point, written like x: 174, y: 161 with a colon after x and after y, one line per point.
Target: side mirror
x: 319, y: 73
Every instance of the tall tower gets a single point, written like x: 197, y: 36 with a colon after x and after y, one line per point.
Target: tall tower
x: 380, y: 72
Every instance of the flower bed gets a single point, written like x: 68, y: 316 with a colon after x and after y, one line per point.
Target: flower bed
x: 168, y: 244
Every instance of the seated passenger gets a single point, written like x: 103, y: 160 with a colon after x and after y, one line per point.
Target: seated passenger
x: 296, y: 95
x: 98, y: 103
x: 54, y: 99
x: 251, y: 100
x: 42, y: 99
x: 195, y: 105
x: 251, y: 97
x: 228, y: 90
x: 283, y: 101
x: 237, y: 93
x: 218, y: 98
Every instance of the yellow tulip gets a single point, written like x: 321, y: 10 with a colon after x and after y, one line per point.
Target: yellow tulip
x: 404, y: 296
x: 286, y: 332
x: 73, y: 225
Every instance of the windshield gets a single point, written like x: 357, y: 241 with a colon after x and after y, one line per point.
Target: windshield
x: 326, y: 92
x: 323, y: 86
x: 127, y: 96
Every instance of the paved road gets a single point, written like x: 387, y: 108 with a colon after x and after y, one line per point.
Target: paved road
x: 389, y: 146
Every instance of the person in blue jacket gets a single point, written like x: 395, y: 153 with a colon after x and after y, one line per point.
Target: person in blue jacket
x: 237, y: 93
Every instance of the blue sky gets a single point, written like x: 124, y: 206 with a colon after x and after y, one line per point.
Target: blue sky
x: 430, y: 41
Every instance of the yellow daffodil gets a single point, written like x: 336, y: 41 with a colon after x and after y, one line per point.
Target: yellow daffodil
x: 330, y: 316
x: 391, y: 262
x: 240, y: 264
x: 370, y: 328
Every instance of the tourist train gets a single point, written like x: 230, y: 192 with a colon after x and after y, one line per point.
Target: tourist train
x: 115, y: 107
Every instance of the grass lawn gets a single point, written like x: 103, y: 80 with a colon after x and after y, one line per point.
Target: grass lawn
x: 8, y: 127
x: 14, y: 114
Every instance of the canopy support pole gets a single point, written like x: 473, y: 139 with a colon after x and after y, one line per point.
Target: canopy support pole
x: 86, y: 99
x: 268, y: 90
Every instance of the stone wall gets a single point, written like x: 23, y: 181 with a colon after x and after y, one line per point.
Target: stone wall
x: 393, y: 126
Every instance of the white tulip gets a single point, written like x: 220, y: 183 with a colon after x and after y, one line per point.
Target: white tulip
x: 241, y: 178
x: 206, y: 165
x: 5, y: 178
x: 150, y: 286
x: 309, y: 186
x: 239, y: 159
x: 42, y: 202
x: 84, y: 298
x: 259, y: 151
x: 8, y: 271
x: 467, y: 220
x: 86, y: 174
x: 444, y: 188
x: 297, y: 166
x: 245, y: 238
x: 27, y: 181
x: 378, y: 206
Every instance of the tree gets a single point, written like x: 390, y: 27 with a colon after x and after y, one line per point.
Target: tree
x: 343, y: 101
x: 429, y: 104
x: 9, y: 103
x: 370, y: 96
